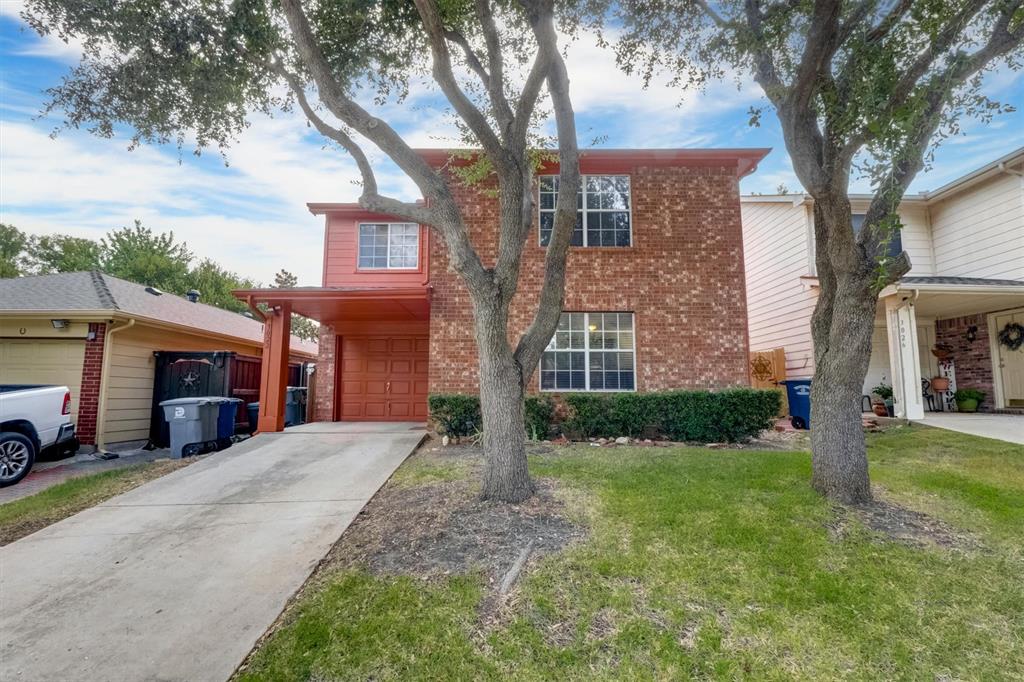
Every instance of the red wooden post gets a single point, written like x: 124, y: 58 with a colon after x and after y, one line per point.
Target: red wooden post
x: 274, y: 371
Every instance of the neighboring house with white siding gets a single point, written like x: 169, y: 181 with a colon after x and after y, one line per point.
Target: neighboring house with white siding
x: 966, y: 285
x: 97, y: 335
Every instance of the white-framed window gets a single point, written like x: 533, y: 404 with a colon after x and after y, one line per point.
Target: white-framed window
x: 389, y: 246
x: 604, y: 210
x: 590, y: 352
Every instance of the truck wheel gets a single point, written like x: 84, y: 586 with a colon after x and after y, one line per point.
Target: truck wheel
x: 17, y: 455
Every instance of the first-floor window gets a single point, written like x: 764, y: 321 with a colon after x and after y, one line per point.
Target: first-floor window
x: 394, y: 246
x: 590, y: 352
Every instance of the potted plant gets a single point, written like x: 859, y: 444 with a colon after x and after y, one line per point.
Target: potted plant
x: 968, y: 399
x: 884, y: 391
x: 940, y: 384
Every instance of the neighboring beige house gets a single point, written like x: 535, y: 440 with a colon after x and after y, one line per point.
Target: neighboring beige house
x: 966, y: 245
x: 97, y: 334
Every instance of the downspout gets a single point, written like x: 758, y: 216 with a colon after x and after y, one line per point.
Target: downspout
x: 101, y: 408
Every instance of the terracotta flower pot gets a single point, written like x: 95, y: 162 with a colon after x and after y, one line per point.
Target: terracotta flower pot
x: 940, y: 384
x: 879, y: 410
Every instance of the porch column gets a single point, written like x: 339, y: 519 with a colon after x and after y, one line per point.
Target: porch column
x: 904, y: 357
x: 274, y: 369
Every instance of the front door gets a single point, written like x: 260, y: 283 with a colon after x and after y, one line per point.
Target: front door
x: 383, y: 378
x: 1010, y: 363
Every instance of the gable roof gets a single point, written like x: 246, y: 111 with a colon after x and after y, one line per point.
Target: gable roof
x: 95, y: 292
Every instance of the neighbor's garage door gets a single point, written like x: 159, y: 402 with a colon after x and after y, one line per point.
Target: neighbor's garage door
x: 383, y: 378
x: 44, y: 361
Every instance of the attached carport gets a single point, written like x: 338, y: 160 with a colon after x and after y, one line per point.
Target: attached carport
x: 375, y: 367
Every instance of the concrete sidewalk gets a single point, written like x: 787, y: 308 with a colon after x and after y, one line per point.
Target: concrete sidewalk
x: 1008, y: 427
x: 177, y: 579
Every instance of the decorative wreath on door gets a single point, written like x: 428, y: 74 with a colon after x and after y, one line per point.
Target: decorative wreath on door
x: 1012, y: 335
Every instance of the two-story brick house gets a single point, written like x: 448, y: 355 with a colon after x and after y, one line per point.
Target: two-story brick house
x: 966, y: 284
x: 655, y: 295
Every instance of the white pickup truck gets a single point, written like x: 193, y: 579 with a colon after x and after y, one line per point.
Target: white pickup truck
x: 32, y: 418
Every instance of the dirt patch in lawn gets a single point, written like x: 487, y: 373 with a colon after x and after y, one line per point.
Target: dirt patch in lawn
x: 439, y: 529
x: 902, y: 525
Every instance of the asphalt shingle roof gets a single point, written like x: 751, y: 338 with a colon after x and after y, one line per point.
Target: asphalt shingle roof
x: 72, y: 291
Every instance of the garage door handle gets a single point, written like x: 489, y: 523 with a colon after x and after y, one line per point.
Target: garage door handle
x: 387, y: 387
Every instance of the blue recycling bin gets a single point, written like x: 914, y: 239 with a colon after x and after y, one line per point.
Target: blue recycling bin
x: 294, y: 405
x: 226, y: 421
x: 798, y: 391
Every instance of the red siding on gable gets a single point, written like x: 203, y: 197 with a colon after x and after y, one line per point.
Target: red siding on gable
x: 341, y: 250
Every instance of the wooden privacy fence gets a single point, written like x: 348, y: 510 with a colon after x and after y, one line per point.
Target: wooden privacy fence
x: 768, y: 370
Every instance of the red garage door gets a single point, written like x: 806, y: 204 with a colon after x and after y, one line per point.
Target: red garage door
x: 383, y: 378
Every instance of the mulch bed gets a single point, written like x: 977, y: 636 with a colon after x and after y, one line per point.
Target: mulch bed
x: 899, y: 524
x: 437, y: 529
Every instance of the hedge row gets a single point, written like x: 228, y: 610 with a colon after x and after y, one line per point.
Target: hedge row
x: 457, y: 415
x: 697, y: 416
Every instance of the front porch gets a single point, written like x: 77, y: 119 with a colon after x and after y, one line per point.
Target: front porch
x: 373, y: 360
x: 959, y: 319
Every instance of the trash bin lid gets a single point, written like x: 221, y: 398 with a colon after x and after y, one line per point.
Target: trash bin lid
x: 197, y: 400
x: 232, y: 400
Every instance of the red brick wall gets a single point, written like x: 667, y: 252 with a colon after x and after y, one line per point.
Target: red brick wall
x: 88, y: 401
x: 323, y: 410
x: 972, y: 360
x: 682, y: 278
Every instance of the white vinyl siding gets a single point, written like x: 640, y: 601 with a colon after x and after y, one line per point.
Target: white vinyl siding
x: 776, y: 242
x: 980, y: 232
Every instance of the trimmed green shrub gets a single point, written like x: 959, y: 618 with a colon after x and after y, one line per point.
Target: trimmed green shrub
x: 455, y: 414
x: 698, y: 416
x: 539, y: 415
x: 589, y: 415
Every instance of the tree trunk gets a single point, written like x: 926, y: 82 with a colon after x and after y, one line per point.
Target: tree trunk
x: 506, y: 475
x: 841, y: 327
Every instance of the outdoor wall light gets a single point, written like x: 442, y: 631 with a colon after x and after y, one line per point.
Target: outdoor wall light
x: 60, y: 324
x: 972, y: 333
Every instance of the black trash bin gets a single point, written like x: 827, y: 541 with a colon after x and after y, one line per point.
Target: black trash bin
x: 252, y: 410
x: 295, y: 405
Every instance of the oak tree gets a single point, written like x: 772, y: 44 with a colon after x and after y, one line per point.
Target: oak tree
x: 197, y: 70
x: 859, y: 86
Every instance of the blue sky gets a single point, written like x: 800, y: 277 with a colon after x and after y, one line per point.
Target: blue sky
x: 250, y: 216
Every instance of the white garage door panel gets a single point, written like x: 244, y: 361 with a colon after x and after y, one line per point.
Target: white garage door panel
x: 44, y: 361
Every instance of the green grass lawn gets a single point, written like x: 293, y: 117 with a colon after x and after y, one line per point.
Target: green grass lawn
x: 706, y: 564
x: 29, y: 514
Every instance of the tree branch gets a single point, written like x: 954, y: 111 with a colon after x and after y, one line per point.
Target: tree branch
x: 496, y: 66
x: 552, y: 294
x: 449, y: 221
x: 370, y: 199
x: 445, y: 77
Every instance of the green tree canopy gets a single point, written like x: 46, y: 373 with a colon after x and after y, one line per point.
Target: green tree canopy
x: 138, y: 255
x: 12, y: 247
x: 62, y: 253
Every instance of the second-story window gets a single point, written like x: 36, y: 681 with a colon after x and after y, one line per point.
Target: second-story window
x: 895, y: 246
x: 389, y: 246
x: 603, y: 209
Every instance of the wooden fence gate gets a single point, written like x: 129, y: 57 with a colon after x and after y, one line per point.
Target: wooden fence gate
x: 768, y: 370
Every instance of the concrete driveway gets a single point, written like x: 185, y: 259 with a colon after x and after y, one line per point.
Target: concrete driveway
x: 177, y: 579
x: 1008, y: 427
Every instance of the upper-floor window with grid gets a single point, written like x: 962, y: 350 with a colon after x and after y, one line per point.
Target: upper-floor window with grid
x: 389, y: 246
x: 590, y: 352
x: 603, y: 205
